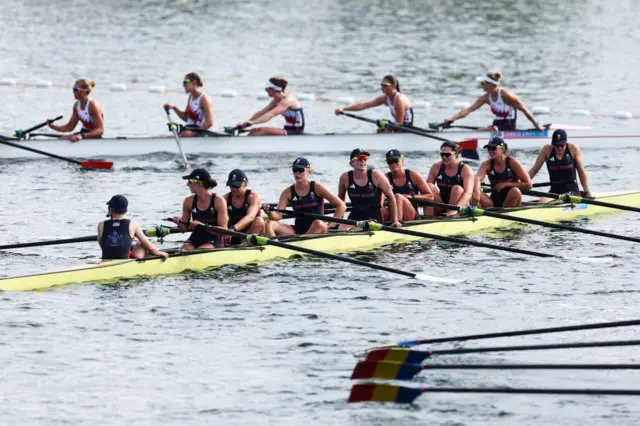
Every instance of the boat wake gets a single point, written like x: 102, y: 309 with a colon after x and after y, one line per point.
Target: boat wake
x: 431, y: 278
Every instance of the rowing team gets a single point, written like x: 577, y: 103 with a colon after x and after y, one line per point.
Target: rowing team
x: 449, y: 181
x: 198, y: 114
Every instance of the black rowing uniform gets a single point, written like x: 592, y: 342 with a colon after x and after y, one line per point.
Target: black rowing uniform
x: 409, y: 188
x: 562, y: 171
x: 507, y: 175
x: 309, y: 203
x: 116, y: 239
x: 365, y: 200
x: 237, y: 213
x: 446, y: 183
x: 208, y: 216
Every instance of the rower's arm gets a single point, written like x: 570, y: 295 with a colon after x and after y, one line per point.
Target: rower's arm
x: 180, y: 113
x: 100, y: 229
x: 277, y: 109
x: 466, y: 111
x: 401, y: 109
x: 359, y: 106
x: 98, y: 123
x: 511, y: 99
x: 467, y: 184
x: 71, y: 124
x: 264, y: 110
x: 336, y: 202
x: 421, y: 184
x: 207, y: 107
x: 482, y: 173
x: 342, y: 186
x: 382, y: 182
x: 255, y: 203
x: 143, y: 240
x: 521, y: 173
x: 186, y: 214
x: 221, y: 207
x: 582, y: 174
x: 282, y: 204
x: 542, y: 157
x: 433, y: 173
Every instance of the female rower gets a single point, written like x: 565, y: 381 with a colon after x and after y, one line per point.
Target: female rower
x: 503, y: 103
x: 202, y: 208
x: 85, y: 110
x: 506, y: 175
x: 198, y: 114
x: 305, y: 196
x: 564, y: 162
x: 407, y: 185
x: 399, y: 105
x: 450, y: 180
x: 282, y: 103
x: 243, y: 206
x: 117, y: 235
x: 365, y: 188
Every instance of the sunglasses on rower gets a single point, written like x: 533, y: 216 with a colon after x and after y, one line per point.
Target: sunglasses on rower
x: 79, y: 89
x: 446, y: 154
x: 394, y: 161
x: 386, y: 84
x: 360, y: 158
x: 298, y: 169
x: 185, y: 82
x: 192, y: 181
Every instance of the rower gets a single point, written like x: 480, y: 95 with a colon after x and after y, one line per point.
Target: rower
x: 243, y: 206
x: 408, y: 186
x: 365, y: 188
x: 200, y: 208
x: 399, y: 105
x: 86, y: 110
x: 117, y: 235
x: 506, y: 175
x: 305, y: 196
x: 282, y: 103
x: 450, y: 180
x: 198, y: 114
x: 503, y: 102
x: 564, y: 162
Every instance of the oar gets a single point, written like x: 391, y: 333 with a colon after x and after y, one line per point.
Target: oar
x: 373, y: 226
x: 234, y: 130
x: 383, y: 392
x: 205, y: 132
x: 575, y: 199
x: 85, y: 164
x: 160, y: 231
x: 263, y: 241
x: 406, y: 371
x: 46, y: 135
x: 21, y: 133
x: 439, y: 126
x: 174, y: 130
x: 476, y: 212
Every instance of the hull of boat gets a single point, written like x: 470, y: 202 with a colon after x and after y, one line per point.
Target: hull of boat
x: 109, y: 148
x: 200, y: 261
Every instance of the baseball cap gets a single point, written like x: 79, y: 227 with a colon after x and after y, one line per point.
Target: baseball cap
x: 496, y: 142
x: 301, y: 162
x: 393, y: 154
x: 198, y: 174
x: 236, y: 178
x: 358, y: 152
x: 559, y: 137
x: 118, y: 203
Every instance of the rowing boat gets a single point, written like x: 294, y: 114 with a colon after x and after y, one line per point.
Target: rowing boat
x: 203, y: 260
x: 301, y: 144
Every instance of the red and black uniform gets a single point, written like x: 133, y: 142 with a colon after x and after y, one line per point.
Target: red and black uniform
x: 365, y: 200
x: 237, y: 213
x: 507, y: 175
x: 445, y: 182
x: 309, y: 203
x: 562, y: 173
x: 208, y: 216
x: 116, y: 239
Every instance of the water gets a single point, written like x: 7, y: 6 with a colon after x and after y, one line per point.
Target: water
x: 274, y: 344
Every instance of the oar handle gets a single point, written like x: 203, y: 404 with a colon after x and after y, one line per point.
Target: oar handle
x: 41, y: 125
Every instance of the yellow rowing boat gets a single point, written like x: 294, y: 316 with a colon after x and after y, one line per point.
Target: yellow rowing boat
x: 202, y: 260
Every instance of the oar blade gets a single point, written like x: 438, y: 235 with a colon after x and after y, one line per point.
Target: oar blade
x: 431, y: 278
x: 385, y: 370
x: 97, y: 164
x: 400, y: 355
x: 470, y: 149
x: 383, y: 392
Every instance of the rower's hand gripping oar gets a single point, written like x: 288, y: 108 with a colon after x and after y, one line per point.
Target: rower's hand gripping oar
x: 21, y: 134
x: 574, y: 199
x: 174, y: 129
x: 85, y: 164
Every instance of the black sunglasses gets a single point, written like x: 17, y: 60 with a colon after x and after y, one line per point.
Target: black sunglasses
x: 298, y: 170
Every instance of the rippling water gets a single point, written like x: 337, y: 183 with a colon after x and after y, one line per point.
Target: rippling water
x: 273, y: 344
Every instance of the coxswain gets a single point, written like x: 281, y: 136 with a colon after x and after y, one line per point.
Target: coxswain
x: 365, y: 188
x: 564, y: 163
x: 202, y: 207
x: 117, y: 236
x: 398, y: 103
x: 408, y: 186
x: 503, y: 102
x: 243, y: 206
x: 282, y: 103
x: 506, y: 174
x: 305, y: 196
x: 450, y: 180
x: 198, y: 114
x: 86, y: 110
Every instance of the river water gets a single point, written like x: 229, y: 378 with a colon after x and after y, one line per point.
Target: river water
x: 273, y: 344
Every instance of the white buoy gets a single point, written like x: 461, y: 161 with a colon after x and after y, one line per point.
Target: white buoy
x: 8, y: 82
x: 422, y: 104
x: 118, y: 87
x: 582, y: 112
x: 623, y: 115
x: 229, y: 93
x: 345, y: 100
x: 461, y: 104
x: 44, y: 84
x: 540, y: 109
x: 306, y: 96
x: 156, y: 89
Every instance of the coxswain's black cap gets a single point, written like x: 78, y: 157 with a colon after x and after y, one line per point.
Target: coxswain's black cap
x: 358, y: 152
x: 198, y: 174
x: 496, y: 142
x: 118, y: 203
x: 236, y: 178
x: 559, y: 137
x: 302, y: 163
x: 393, y: 154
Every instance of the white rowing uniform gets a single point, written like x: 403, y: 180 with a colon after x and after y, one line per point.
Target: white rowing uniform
x: 500, y: 109
x: 408, y: 113
x: 85, y: 116
x: 195, y: 114
x: 294, y: 121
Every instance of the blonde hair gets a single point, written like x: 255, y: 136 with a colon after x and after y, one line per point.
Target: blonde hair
x: 86, y: 84
x: 497, y: 75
